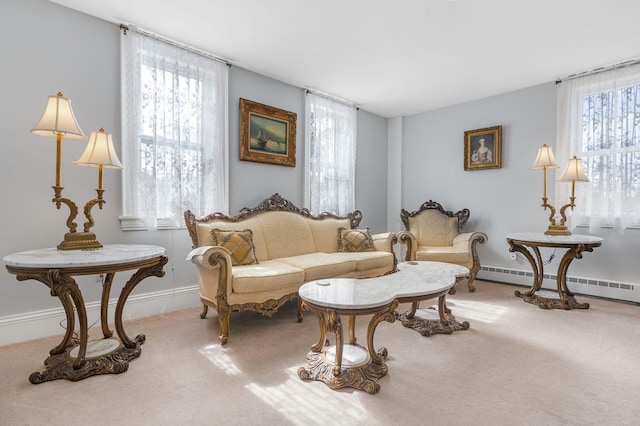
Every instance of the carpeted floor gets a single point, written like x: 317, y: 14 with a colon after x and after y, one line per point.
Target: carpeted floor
x: 516, y: 365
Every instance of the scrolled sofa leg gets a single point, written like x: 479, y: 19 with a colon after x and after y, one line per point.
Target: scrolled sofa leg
x: 470, y: 284
x: 205, y: 309
x: 300, y: 310
x: 223, y: 319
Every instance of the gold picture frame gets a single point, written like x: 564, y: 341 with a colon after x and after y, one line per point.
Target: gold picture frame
x: 267, y: 134
x: 483, y: 148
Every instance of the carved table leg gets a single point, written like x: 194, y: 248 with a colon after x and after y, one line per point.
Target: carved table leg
x: 363, y: 366
x: 431, y: 321
x: 104, y: 305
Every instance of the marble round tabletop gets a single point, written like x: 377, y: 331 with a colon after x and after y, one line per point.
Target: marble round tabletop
x: 540, y: 237
x: 108, y: 255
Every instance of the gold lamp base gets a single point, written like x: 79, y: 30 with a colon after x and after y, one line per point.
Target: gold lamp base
x: 79, y: 241
x: 557, y: 230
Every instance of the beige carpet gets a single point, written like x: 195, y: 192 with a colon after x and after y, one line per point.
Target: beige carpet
x: 516, y: 365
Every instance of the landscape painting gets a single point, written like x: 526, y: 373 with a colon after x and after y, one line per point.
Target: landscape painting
x: 267, y: 134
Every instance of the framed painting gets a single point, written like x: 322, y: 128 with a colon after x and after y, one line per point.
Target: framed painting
x: 483, y: 148
x: 267, y: 134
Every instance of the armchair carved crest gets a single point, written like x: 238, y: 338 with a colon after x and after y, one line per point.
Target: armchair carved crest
x: 432, y: 233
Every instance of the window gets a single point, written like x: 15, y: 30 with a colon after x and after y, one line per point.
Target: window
x: 174, y: 106
x: 331, y: 160
x: 599, y: 121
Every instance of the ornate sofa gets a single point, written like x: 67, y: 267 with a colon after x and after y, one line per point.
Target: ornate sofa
x: 257, y: 260
x: 432, y: 233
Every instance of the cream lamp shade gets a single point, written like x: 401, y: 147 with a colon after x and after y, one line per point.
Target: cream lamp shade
x: 574, y: 171
x: 58, y: 119
x: 544, y: 159
x: 100, y: 152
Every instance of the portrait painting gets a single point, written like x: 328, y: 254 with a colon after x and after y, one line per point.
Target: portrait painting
x: 483, y: 148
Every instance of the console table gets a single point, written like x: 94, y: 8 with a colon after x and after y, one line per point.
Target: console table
x: 350, y: 364
x: 77, y: 358
x: 575, y: 245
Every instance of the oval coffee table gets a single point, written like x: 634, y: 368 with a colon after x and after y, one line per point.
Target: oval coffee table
x: 431, y: 321
x: 353, y: 365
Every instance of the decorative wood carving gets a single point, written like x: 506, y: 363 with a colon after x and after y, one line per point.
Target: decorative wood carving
x: 462, y: 215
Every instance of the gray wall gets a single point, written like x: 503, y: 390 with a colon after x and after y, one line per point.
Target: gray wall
x: 508, y: 199
x: 81, y: 59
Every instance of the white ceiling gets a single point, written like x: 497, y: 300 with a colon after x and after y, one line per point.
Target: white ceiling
x: 395, y: 57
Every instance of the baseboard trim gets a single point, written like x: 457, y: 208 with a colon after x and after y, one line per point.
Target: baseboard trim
x: 617, y: 290
x: 51, y: 322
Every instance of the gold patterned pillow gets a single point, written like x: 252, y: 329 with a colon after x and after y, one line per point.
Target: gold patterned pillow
x: 239, y: 244
x: 354, y: 240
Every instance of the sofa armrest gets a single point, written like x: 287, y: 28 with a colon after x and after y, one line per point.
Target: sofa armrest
x: 213, y: 264
x: 384, y: 241
x: 406, y: 237
x: 470, y: 240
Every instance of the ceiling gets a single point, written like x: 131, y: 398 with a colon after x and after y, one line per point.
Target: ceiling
x: 395, y: 57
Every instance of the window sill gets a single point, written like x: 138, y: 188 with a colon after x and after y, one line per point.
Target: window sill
x: 128, y: 223
x: 634, y: 226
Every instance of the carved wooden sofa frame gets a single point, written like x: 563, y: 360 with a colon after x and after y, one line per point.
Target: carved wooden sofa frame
x: 218, y: 257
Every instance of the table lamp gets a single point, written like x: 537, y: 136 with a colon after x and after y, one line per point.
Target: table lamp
x: 573, y: 172
x: 59, y: 121
x: 101, y: 154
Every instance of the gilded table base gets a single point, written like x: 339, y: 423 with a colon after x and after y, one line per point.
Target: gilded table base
x: 75, y: 357
x: 528, y: 245
x: 62, y: 366
x: 366, y: 365
x: 567, y: 302
x: 435, y: 325
x: 363, y: 377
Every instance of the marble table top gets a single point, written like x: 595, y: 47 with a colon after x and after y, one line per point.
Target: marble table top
x: 540, y: 237
x: 413, y: 279
x: 107, y: 255
x: 430, y: 267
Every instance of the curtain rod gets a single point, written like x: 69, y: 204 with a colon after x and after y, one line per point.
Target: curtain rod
x: 598, y: 70
x: 331, y: 97
x: 208, y: 55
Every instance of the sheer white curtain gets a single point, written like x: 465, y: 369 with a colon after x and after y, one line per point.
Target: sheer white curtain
x: 174, y: 106
x: 331, y: 160
x: 598, y: 120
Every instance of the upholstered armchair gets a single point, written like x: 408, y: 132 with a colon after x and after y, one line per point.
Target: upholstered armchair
x: 432, y: 233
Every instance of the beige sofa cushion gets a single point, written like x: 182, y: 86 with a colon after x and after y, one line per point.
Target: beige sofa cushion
x: 285, y: 234
x: 321, y: 265
x: 370, y: 260
x: 325, y: 233
x: 268, y: 275
x: 432, y: 228
x: 450, y: 254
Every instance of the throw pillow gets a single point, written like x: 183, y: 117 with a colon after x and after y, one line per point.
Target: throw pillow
x: 354, y: 240
x: 239, y: 244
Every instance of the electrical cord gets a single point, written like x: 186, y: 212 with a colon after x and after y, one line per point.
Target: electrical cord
x: 553, y: 256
